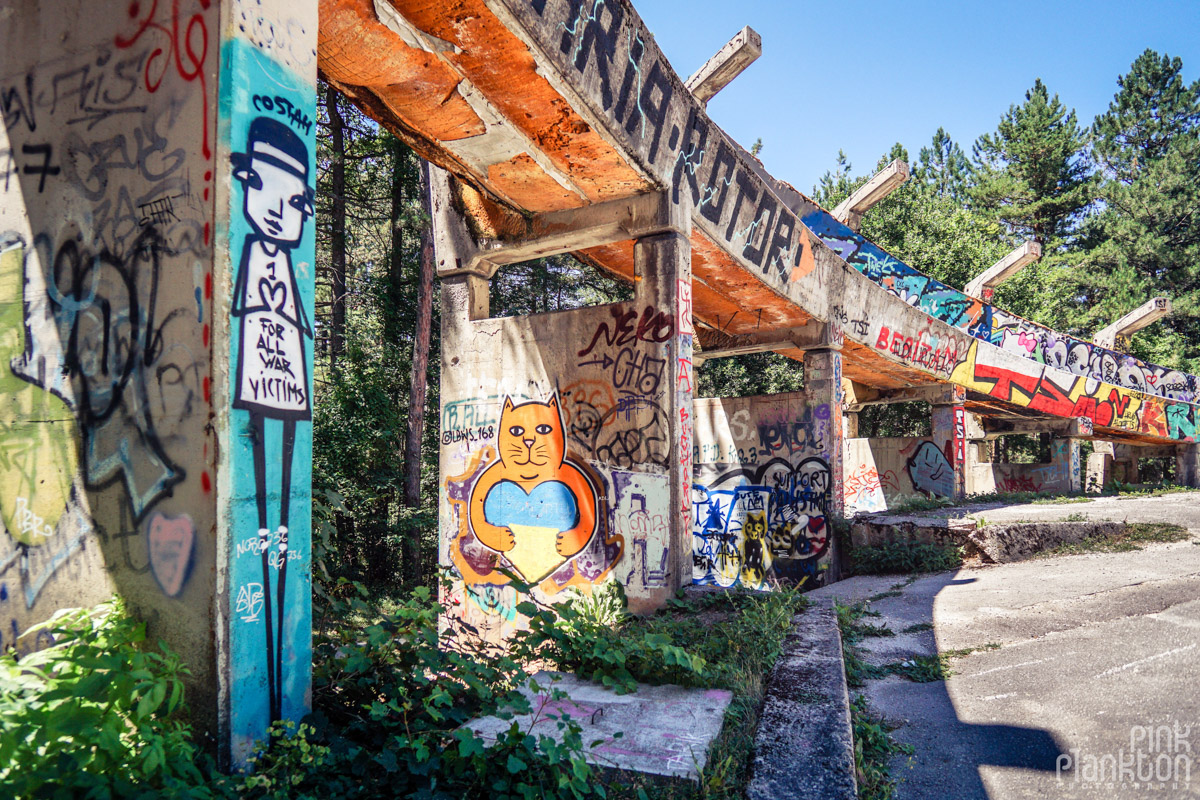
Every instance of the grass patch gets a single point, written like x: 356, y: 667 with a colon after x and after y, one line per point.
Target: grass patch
x: 899, y: 558
x: 1135, y: 535
x: 739, y: 635
x: 873, y: 751
x: 873, y: 743
x: 920, y: 626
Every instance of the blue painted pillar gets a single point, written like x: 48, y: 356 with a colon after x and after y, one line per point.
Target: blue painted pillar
x: 263, y: 349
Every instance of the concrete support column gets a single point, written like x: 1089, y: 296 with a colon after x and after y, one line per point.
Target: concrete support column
x: 823, y: 388
x: 1099, y: 467
x: 1069, y: 456
x: 949, y: 430
x: 664, y: 269
x: 1126, y: 470
x: 850, y: 425
x: 157, y: 343
x: 1187, y: 465
x: 265, y: 174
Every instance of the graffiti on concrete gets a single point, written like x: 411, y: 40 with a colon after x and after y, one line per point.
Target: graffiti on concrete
x: 988, y: 323
x: 533, y: 505
x: 930, y: 471
x: 639, y: 512
x: 568, y: 513
x: 270, y: 393
x: 1049, y: 390
x: 867, y: 489
x: 753, y: 523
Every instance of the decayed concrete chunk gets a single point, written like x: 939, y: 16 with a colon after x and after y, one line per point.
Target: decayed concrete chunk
x: 663, y: 730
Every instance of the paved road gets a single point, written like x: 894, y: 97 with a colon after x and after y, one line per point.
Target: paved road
x: 1094, y: 650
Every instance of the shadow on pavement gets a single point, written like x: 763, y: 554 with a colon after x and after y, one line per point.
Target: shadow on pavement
x: 949, y: 751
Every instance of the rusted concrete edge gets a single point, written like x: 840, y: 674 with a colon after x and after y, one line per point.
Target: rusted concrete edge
x: 804, y: 746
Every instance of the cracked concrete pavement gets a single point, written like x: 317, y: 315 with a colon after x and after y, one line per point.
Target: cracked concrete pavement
x: 1093, y: 648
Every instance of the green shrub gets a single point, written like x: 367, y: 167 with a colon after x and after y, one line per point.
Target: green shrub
x: 389, y: 702
x: 903, y: 557
x: 96, y: 715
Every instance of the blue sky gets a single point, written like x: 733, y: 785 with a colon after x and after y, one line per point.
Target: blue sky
x: 860, y: 75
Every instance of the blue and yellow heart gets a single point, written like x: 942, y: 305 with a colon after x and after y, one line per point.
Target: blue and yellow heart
x: 535, y: 518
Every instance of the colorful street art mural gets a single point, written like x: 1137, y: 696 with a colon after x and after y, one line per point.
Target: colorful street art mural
x: 533, y: 505
x: 761, y: 491
x: 556, y: 475
x: 269, y: 133
x: 753, y: 524
x: 987, y: 323
x: 884, y: 472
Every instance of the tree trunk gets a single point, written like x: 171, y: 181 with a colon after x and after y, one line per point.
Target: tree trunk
x: 337, y: 248
x: 419, y: 383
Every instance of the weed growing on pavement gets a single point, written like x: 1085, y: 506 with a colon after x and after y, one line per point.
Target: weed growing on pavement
x: 739, y: 635
x: 873, y: 750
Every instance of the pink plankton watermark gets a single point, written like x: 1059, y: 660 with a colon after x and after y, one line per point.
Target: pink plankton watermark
x: 1159, y: 757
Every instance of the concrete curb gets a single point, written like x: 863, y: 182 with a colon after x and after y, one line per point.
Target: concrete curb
x: 1003, y: 543
x: 804, y: 746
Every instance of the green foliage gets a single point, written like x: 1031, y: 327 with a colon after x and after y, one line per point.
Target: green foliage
x: 904, y: 557
x: 1145, y: 240
x: 739, y: 635
x: 749, y: 375
x: 96, y: 715
x: 874, y: 748
x: 617, y: 657
x: 1032, y: 173
x: 943, y: 167
x: 389, y: 700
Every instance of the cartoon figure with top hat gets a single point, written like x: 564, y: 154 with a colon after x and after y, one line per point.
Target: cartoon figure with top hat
x: 272, y: 371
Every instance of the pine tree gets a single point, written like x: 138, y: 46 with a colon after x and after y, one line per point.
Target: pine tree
x: 1153, y: 108
x: 1146, y: 241
x: 1032, y: 174
x: 944, y: 167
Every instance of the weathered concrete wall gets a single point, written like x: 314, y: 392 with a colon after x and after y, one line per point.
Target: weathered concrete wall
x: 117, y: 262
x: 884, y: 472
x: 557, y: 422
x: 761, y: 491
x: 1062, y: 474
x: 107, y: 161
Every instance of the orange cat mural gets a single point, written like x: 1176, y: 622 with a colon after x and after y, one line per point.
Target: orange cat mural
x: 534, y: 505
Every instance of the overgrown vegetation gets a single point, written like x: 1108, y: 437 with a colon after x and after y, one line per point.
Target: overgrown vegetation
x: 98, y: 714
x: 874, y: 748
x: 739, y: 636
x: 904, y: 557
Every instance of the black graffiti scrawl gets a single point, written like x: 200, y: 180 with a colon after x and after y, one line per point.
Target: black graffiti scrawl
x: 272, y: 372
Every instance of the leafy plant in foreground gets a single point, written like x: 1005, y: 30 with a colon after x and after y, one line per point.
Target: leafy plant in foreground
x: 96, y: 715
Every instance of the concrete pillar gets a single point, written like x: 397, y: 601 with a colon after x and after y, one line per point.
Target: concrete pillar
x: 1126, y: 470
x: 156, y: 267
x: 664, y: 268
x: 850, y: 424
x: 1070, y: 455
x: 1099, y: 467
x: 1187, y: 465
x: 823, y: 388
x: 949, y: 430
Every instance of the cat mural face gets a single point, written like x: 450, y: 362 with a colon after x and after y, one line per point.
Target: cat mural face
x: 531, y: 440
